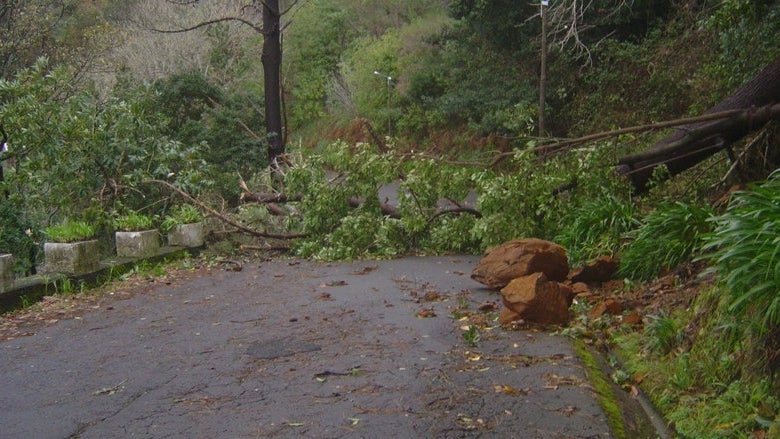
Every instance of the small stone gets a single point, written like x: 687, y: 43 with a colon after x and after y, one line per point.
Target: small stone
x: 600, y: 269
x: 631, y: 318
x: 608, y: 306
x: 580, y: 288
x: 507, y: 316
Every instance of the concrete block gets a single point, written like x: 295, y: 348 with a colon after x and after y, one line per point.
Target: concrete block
x: 141, y: 244
x: 186, y: 235
x: 72, y: 258
x: 6, y: 272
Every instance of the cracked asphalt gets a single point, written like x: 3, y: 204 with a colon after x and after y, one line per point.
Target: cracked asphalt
x: 292, y: 348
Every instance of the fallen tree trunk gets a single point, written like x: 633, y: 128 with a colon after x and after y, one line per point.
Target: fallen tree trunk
x: 386, y: 208
x: 224, y: 218
x: 690, y: 144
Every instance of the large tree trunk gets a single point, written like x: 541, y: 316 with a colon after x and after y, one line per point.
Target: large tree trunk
x: 690, y: 144
x: 272, y: 60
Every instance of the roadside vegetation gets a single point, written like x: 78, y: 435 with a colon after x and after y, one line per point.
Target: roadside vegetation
x: 440, y: 98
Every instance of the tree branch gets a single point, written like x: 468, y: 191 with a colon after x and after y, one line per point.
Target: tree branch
x: 556, y: 147
x: 256, y: 28
x: 227, y: 220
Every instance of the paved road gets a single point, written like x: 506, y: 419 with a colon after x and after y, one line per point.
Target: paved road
x: 295, y: 349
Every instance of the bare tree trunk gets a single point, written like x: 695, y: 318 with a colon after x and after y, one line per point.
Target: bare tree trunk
x: 272, y: 60
x: 690, y: 144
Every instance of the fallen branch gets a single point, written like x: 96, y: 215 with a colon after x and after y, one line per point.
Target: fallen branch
x: 222, y: 217
x: 556, y: 147
x: 385, y: 208
x: 263, y: 197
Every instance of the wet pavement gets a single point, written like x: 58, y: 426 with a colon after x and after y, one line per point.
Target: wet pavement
x: 290, y: 348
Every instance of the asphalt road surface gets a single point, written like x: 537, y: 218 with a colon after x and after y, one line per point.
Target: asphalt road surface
x: 289, y: 348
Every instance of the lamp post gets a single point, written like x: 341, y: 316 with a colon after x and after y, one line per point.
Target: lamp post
x: 543, y: 67
x: 389, y: 78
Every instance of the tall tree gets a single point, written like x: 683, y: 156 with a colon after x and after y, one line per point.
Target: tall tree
x: 272, y: 62
x: 263, y: 17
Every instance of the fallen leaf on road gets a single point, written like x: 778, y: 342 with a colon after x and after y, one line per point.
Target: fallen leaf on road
x: 487, y: 306
x: 365, y: 270
x: 505, y: 388
x: 553, y: 380
x: 425, y: 313
x: 568, y: 410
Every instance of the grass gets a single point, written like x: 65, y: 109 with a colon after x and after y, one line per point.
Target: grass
x: 70, y: 231
x: 663, y: 333
x: 133, y: 221
x: 666, y: 237
x: 596, y: 228
x: 471, y: 336
x: 704, y: 369
x: 745, y: 250
x: 603, y: 388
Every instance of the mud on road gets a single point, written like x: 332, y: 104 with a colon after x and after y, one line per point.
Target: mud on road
x: 290, y: 348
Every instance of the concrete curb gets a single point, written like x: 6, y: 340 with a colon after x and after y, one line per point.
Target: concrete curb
x: 30, y: 289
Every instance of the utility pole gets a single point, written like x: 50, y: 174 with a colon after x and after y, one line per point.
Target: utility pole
x: 389, y: 78
x: 543, y: 68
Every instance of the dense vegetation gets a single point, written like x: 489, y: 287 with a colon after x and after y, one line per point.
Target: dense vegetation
x: 424, y: 93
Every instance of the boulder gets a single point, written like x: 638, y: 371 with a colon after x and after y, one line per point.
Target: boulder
x: 536, y: 299
x: 521, y: 257
x: 600, y: 269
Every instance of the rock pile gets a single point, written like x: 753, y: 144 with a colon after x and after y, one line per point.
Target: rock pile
x: 535, y: 281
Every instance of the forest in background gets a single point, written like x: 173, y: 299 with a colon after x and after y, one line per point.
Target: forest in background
x: 101, y: 99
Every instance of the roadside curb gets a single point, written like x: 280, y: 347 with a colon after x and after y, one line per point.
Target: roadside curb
x: 30, y: 289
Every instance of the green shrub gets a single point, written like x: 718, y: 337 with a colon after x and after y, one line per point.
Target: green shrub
x: 596, y: 227
x: 745, y: 249
x: 663, y: 333
x: 667, y: 237
x: 70, y: 231
x: 17, y: 236
x: 133, y: 221
x: 180, y: 214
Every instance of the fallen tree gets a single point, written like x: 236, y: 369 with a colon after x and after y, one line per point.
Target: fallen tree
x: 748, y: 109
x: 242, y: 228
x: 386, y: 208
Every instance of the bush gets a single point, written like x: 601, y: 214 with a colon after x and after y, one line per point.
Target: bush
x: 17, y: 237
x: 596, y: 227
x: 745, y: 249
x: 667, y: 237
x: 70, y: 231
x: 180, y: 214
x: 133, y: 221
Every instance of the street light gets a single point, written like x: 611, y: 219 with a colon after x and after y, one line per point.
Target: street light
x: 389, y: 78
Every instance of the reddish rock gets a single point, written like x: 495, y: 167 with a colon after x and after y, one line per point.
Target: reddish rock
x: 609, y: 306
x: 521, y: 257
x: 632, y: 318
x: 539, y: 300
x: 507, y: 316
x: 580, y: 288
x: 600, y: 269
x: 612, y: 286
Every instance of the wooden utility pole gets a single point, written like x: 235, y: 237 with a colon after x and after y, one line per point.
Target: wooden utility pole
x: 543, y: 68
